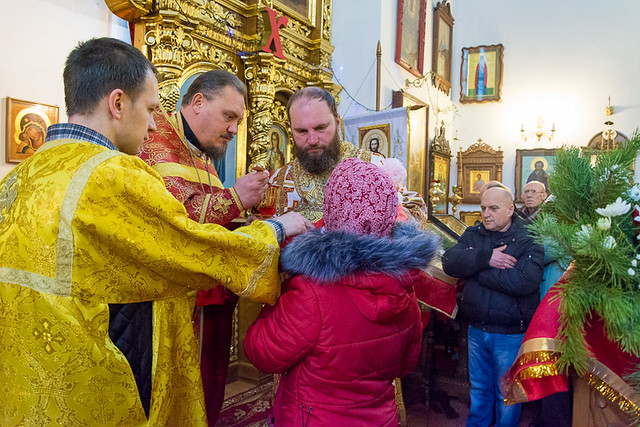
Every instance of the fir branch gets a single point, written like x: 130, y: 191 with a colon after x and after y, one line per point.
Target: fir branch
x: 606, y: 279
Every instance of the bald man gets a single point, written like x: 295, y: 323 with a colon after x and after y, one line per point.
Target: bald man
x: 533, y: 194
x: 501, y: 267
x: 491, y: 184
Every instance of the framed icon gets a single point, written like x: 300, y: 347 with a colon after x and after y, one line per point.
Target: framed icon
x: 442, y: 45
x: 277, y: 155
x: 470, y: 218
x: 27, y: 124
x: 477, y: 165
x: 533, y: 165
x: 410, y: 35
x: 481, y: 74
x: 375, y: 138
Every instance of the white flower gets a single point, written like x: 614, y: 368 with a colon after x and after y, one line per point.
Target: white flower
x: 638, y: 256
x: 634, y: 262
x: 604, y: 223
x: 631, y: 272
x: 586, y: 232
x: 609, y: 242
x: 634, y: 193
x: 615, y: 209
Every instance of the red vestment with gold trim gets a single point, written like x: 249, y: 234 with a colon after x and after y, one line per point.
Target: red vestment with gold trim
x: 191, y: 180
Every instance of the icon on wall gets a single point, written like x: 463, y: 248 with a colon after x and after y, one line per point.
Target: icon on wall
x: 27, y: 124
x: 375, y: 138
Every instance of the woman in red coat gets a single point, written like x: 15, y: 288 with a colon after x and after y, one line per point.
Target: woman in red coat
x: 349, y: 322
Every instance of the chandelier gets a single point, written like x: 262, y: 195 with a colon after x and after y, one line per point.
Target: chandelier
x: 540, y: 133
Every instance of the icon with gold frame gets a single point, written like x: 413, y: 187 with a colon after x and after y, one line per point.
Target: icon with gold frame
x: 27, y: 124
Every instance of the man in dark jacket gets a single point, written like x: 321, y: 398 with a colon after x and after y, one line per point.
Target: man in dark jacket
x: 501, y: 267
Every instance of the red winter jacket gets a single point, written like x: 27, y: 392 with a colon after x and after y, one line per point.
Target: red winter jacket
x: 339, y: 343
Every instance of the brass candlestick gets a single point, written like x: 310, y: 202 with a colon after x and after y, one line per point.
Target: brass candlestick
x: 455, y: 198
x: 435, y: 192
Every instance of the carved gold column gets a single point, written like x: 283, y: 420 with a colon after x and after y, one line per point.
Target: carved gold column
x: 166, y: 47
x: 185, y: 37
x: 261, y: 74
x: 162, y: 42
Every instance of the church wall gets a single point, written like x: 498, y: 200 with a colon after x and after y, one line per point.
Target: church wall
x: 562, y: 60
x: 357, y: 32
x: 37, y: 36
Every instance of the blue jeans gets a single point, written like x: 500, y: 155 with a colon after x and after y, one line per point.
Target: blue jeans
x: 490, y: 357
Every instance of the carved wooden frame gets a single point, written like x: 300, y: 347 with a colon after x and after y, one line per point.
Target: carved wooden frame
x: 597, y: 142
x: 479, y: 158
x: 309, y: 18
x: 442, y: 24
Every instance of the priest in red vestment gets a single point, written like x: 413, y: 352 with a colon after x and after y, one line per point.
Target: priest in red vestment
x: 181, y: 151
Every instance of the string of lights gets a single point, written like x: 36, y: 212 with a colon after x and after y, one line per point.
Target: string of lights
x: 352, y: 97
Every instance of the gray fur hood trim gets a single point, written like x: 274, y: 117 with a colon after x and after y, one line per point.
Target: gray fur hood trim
x: 329, y: 256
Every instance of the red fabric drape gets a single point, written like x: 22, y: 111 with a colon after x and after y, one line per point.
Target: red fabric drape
x: 534, y: 374
x: 438, y: 295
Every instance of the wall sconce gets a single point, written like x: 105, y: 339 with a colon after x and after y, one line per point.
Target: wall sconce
x: 539, y: 133
x: 608, y: 110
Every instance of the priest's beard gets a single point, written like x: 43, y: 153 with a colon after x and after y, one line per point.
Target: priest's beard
x: 321, y: 162
x: 215, y: 153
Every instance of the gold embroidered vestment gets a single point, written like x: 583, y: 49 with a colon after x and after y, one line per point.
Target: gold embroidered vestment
x: 82, y: 227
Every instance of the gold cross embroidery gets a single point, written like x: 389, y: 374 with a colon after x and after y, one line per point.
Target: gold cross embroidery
x: 222, y: 205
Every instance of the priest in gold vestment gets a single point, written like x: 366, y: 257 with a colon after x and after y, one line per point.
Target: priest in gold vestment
x: 83, y: 227
x: 314, y: 123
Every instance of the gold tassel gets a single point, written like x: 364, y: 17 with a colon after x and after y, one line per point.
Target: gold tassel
x: 540, y: 371
x: 613, y: 396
